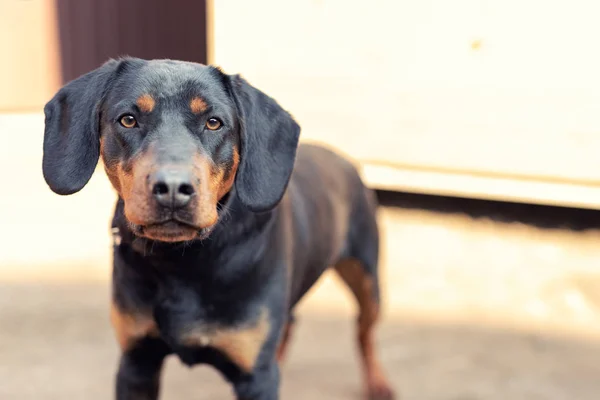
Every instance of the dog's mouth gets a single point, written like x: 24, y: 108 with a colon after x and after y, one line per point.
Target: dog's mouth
x: 174, y: 227
x: 173, y: 230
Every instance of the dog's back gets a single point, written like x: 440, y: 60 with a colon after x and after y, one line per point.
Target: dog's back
x: 334, y: 216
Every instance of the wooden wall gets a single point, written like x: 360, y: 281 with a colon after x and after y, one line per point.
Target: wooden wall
x: 45, y: 43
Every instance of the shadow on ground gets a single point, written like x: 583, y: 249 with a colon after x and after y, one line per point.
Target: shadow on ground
x: 55, y: 343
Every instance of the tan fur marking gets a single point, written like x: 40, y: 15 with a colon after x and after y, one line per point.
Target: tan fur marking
x: 362, y: 286
x: 221, y: 184
x: 146, y: 103
x: 241, y: 344
x: 359, y: 283
x: 206, y: 197
x: 130, y: 328
x: 284, y: 342
x: 197, y: 105
x: 113, y: 169
x: 236, y: 158
x: 216, y: 180
x: 130, y: 184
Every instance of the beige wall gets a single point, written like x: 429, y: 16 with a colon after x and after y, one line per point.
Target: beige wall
x: 30, y: 67
x: 479, y: 97
x: 471, y: 97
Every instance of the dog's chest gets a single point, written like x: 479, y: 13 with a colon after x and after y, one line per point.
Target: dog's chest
x: 190, y: 325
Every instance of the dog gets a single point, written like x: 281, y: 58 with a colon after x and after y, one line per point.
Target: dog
x: 224, y: 220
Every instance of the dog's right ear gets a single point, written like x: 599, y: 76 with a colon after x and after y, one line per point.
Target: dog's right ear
x: 269, y: 139
x: 72, y: 131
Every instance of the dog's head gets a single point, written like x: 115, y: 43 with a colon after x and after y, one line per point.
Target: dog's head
x: 175, y: 138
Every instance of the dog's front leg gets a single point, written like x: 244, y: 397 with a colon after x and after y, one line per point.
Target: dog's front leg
x: 262, y: 384
x: 139, y: 372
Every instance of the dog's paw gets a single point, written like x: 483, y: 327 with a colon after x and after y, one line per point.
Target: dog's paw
x: 379, y: 389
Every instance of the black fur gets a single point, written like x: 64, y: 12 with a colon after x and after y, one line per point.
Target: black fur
x: 290, y: 214
x: 72, y: 132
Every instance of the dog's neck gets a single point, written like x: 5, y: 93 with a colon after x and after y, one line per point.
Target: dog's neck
x: 237, y: 226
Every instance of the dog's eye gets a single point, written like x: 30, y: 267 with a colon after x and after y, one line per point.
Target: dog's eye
x: 213, y: 124
x: 128, y: 121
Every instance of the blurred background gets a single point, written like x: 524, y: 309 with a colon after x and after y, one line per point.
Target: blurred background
x: 476, y: 121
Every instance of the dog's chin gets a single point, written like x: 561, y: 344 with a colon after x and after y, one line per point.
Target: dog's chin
x: 172, y: 232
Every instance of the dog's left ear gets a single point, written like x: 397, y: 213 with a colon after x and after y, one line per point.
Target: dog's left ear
x: 269, y: 139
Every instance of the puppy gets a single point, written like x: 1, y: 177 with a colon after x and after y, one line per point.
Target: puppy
x: 224, y: 220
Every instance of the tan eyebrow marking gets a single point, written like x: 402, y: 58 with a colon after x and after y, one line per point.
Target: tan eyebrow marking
x: 146, y: 103
x: 197, y: 105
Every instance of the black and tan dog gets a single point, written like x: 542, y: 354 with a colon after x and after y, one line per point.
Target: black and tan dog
x: 225, y: 221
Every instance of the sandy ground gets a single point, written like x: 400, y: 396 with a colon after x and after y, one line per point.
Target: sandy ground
x: 475, y: 308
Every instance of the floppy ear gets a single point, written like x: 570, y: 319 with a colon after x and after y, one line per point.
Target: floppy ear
x: 269, y: 139
x: 72, y: 131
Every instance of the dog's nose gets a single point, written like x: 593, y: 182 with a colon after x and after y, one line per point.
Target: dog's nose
x: 172, y: 188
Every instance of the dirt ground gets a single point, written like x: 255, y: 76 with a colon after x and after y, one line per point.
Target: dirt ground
x: 476, y: 308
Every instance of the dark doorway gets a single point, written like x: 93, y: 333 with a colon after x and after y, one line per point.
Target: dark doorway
x: 92, y: 31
